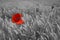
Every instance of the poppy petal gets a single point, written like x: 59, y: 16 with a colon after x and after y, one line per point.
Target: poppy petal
x: 20, y: 22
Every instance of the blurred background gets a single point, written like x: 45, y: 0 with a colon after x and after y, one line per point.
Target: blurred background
x: 42, y: 20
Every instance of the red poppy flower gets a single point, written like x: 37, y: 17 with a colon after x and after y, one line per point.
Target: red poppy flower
x: 17, y: 18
